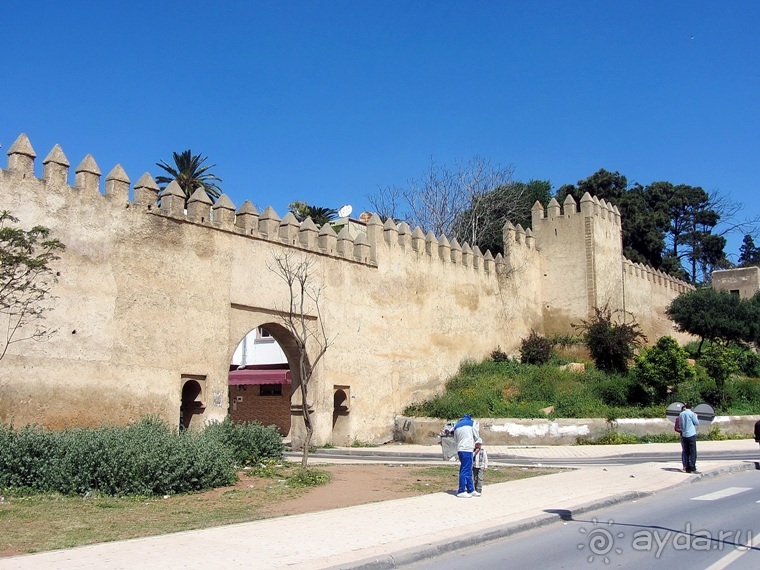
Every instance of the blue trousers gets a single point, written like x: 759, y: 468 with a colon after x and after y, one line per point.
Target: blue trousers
x: 466, y: 483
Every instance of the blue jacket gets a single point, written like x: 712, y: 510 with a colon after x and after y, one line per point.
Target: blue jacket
x: 465, y: 433
x: 689, y: 423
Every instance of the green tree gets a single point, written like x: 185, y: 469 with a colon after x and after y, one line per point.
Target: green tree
x: 661, y: 368
x: 605, y: 185
x: 611, y: 343
x: 26, y: 280
x: 319, y: 215
x: 749, y: 254
x: 190, y: 173
x: 714, y: 315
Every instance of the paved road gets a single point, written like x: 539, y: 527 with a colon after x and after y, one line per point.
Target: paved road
x: 705, y: 525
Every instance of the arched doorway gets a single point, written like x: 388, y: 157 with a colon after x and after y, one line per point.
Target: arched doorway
x: 191, y: 401
x: 341, y: 409
x: 260, y: 379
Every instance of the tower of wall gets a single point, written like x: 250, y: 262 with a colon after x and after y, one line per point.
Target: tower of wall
x: 581, y: 260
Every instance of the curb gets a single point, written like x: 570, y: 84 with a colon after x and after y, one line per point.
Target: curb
x: 431, y: 550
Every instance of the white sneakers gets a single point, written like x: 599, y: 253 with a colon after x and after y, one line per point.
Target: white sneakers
x: 465, y: 495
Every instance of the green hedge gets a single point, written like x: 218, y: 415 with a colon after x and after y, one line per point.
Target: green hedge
x: 146, y: 458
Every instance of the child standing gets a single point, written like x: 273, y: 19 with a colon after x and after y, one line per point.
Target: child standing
x: 479, y: 464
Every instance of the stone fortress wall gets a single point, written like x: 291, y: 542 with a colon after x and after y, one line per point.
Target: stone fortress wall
x: 152, y: 297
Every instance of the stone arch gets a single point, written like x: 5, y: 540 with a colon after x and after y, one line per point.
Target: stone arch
x: 243, y: 320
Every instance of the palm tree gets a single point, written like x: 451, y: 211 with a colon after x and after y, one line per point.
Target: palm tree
x: 189, y: 172
x: 319, y: 215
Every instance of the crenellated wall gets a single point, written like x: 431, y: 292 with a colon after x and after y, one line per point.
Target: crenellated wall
x: 583, y: 268
x: 152, y: 299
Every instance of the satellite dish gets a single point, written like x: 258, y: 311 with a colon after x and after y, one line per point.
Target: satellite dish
x: 345, y: 211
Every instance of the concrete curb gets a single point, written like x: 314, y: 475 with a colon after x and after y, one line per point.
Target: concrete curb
x: 431, y: 550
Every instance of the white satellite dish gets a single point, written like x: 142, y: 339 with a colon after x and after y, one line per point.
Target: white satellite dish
x: 345, y: 211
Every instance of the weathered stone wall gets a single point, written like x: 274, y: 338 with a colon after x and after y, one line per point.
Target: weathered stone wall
x: 745, y: 280
x: 506, y: 431
x: 151, y: 296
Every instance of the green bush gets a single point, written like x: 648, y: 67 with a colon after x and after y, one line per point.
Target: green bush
x: 308, y: 478
x: 610, y: 343
x: 536, y: 349
x: 146, y: 458
x: 662, y: 366
x: 249, y: 442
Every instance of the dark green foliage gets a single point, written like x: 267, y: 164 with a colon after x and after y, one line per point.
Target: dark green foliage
x: 536, y: 349
x: 249, y: 442
x: 712, y: 315
x: 720, y: 363
x: 611, y: 344
x: 146, y: 458
x: 747, y: 360
x: 619, y: 391
x: 662, y: 367
x: 749, y: 253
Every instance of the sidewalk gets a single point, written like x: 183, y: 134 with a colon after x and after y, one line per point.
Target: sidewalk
x: 383, y: 535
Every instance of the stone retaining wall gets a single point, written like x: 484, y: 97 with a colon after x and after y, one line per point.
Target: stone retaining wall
x: 509, y: 431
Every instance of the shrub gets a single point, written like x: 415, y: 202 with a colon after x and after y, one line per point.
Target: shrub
x: 499, y: 356
x: 748, y: 361
x: 308, y: 478
x: 611, y: 344
x: 249, y: 442
x: 661, y: 366
x: 720, y: 362
x: 146, y: 458
x: 536, y: 349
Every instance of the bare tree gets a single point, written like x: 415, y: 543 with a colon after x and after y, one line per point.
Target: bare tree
x: 464, y: 202
x: 26, y: 279
x: 387, y: 203
x: 303, y: 319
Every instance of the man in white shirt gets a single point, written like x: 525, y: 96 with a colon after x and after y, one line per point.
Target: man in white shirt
x: 466, y: 432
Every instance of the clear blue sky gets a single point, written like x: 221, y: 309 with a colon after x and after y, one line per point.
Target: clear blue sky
x: 327, y: 101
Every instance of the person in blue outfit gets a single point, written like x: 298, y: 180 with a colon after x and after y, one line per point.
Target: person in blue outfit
x: 466, y: 433
x: 688, y: 423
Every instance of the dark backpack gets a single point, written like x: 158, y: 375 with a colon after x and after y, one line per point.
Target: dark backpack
x: 677, y: 425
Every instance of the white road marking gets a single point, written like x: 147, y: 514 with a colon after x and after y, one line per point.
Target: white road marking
x: 727, y: 492
x: 734, y: 554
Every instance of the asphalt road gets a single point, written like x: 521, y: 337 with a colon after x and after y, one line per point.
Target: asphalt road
x: 706, y: 525
x: 511, y: 460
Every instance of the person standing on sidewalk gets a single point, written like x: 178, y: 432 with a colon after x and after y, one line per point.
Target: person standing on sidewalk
x: 688, y: 422
x: 479, y: 464
x: 757, y: 431
x: 466, y: 432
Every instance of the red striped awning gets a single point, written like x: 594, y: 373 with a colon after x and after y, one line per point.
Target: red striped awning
x: 248, y: 377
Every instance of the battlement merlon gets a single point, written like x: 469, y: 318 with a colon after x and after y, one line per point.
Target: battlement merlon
x: 199, y: 209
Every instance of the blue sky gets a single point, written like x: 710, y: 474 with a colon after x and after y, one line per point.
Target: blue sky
x: 327, y: 101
